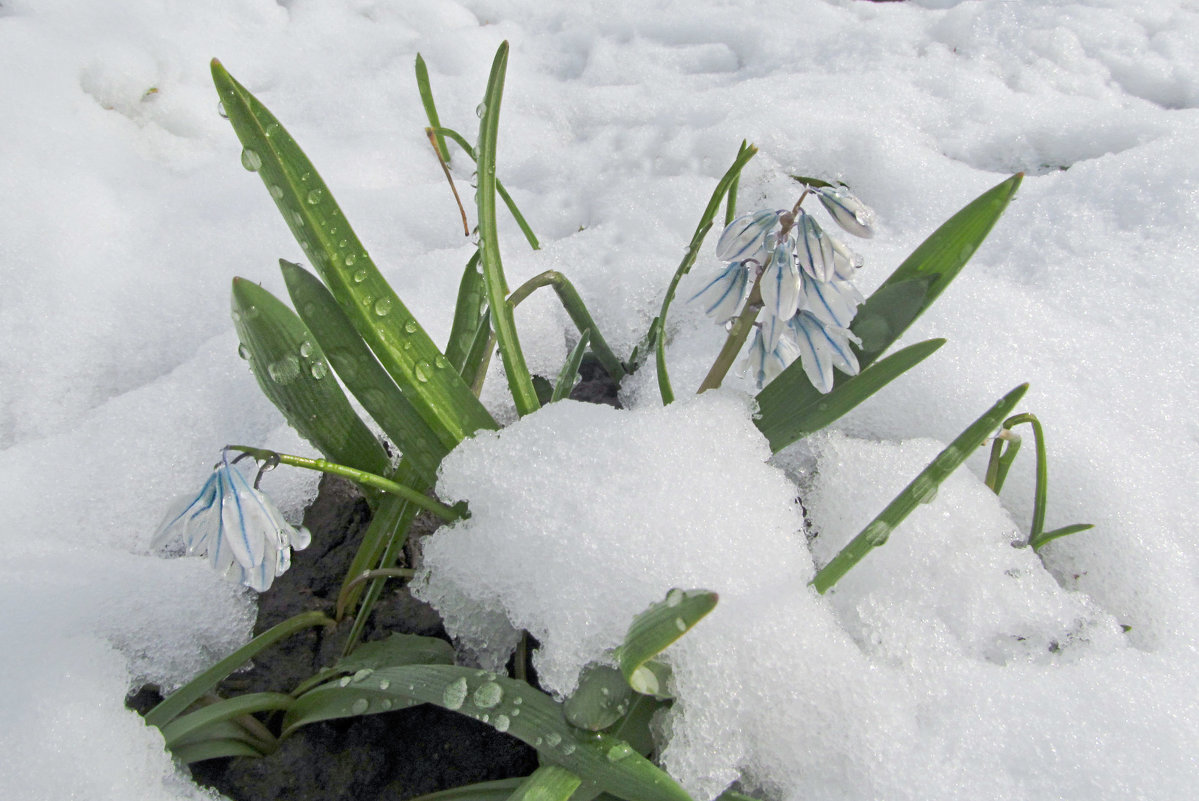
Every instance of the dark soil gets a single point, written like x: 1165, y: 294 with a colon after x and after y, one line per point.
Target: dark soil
x: 394, y: 755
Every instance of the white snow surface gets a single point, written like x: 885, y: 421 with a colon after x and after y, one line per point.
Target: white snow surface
x: 947, y: 665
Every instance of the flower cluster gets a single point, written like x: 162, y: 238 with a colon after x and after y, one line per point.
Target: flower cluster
x: 238, y: 528
x: 802, y: 277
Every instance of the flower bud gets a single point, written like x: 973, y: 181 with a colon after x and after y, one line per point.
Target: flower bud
x: 849, y: 212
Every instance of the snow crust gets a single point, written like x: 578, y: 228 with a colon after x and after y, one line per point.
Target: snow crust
x: 949, y: 664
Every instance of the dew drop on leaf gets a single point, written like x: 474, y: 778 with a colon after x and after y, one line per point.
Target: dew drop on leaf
x: 410, y: 326
x: 251, y: 160
x: 383, y: 306
x: 314, y: 197
x: 243, y: 351
x: 318, y: 370
x: 488, y: 695
x: 384, y: 684
x: 501, y: 723
x: 359, y: 706
x: 455, y: 694
x: 423, y: 371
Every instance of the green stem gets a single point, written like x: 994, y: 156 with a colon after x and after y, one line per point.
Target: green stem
x: 367, y: 575
x: 358, y: 476
x: 573, y: 303
x: 734, y: 341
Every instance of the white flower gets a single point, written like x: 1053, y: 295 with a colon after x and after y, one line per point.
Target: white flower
x: 723, y: 296
x: 745, y: 237
x: 781, y: 286
x: 849, y: 212
x: 832, y: 302
x: 238, y: 528
x: 815, y: 249
x: 823, y: 347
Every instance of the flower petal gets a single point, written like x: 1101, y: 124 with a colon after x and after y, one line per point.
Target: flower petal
x: 849, y: 212
x: 823, y: 347
x: 723, y: 296
x: 832, y: 302
x: 814, y: 250
x: 781, y: 286
x: 745, y: 237
x: 845, y: 261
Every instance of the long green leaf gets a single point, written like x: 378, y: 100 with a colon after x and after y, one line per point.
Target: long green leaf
x: 386, y: 534
x: 505, y: 704
x: 788, y: 411
x: 656, y: 336
x: 193, y: 723
x: 362, y: 374
x: 426, y: 99
x: 547, y: 783
x: 215, y: 749
x: 174, y: 704
x: 652, y: 631
x: 922, y: 489
x: 570, y: 369
x: 438, y: 393
x: 519, y: 379
x: 602, y: 698
x: 294, y: 374
x: 468, y: 314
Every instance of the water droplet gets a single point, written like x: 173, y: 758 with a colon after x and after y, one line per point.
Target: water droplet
x: 305, y: 348
x: 360, y: 706
x: 675, y: 597
x: 297, y: 218
x: 276, y: 191
x: 680, y: 624
x: 423, y: 371
x: 410, y: 326
x: 455, y: 694
x: 481, y: 109
x: 285, y: 370
x: 384, y: 684
x: 362, y: 674
x: 251, y: 312
x: 350, y: 259
x: 383, y: 306
x: 515, y: 712
x: 619, y: 751
x: 344, y: 681
x: 359, y: 276
x: 243, y: 351
x: 501, y: 723
x: 251, y: 160
x: 441, y: 362
x: 318, y: 370
x: 488, y: 695
x: 553, y: 738
x: 314, y: 197
x: 517, y: 701
x: 385, y: 704
x: 220, y: 109
x: 568, y: 748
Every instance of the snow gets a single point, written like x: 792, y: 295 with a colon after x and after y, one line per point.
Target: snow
x: 947, y: 664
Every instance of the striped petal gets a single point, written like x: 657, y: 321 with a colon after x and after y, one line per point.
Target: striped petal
x: 723, y: 296
x: 849, y: 212
x: 745, y: 237
x: 781, y: 287
x: 814, y: 249
x: 845, y: 261
x: 832, y: 302
x: 821, y: 348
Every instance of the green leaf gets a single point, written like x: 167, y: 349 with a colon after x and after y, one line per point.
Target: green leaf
x: 519, y: 379
x: 187, y: 727
x: 932, y: 266
x: 214, y: 749
x: 922, y: 489
x: 174, y: 704
x: 547, y: 783
x: 1065, y: 531
x: 398, y: 649
x: 363, y: 375
x: 656, y: 336
x: 505, y: 704
x: 570, y: 369
x: 652, y: 631
x: 293, y: 373
x: 468, y: 314
x: 497, y: 790
x: 602, y: 698
x: 438, y: 394
x: 426, y: 99
x: 790, y: 408
x: 381, y: 545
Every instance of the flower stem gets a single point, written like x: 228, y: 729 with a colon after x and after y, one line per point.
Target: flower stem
x: 358, y: 476
x: 735, y: 340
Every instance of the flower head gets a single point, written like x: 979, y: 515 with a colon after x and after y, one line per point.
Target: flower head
x: 236, y: 526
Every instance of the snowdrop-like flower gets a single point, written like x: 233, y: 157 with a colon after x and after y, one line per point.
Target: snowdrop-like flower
x: 849, y: 212
x: 781, y: 286
x: 236, y: 526
x: 726, y: 292
x: 815, y: 249
x: 744, y: 239
x: 822, y: 347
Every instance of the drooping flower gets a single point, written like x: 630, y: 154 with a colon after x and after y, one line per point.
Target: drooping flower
x: 850, y: 213
x: 823, y: 347
x: 745, y: 237
x: 236, y: 526
x: 815, y: 249
x: 723, y: 296
x: 781, y: 286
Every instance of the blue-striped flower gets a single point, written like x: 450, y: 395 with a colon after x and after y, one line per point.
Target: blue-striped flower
x: 849, y: 212
x: 236, y: 526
